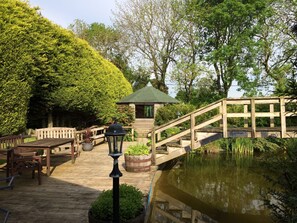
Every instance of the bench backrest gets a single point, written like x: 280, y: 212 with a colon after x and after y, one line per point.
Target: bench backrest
x: 56, y: 132
x: 11, y: 141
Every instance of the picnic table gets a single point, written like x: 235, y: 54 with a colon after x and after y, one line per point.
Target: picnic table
x: 47, y: 145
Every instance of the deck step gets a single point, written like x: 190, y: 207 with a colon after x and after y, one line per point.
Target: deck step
x: 174, y: 144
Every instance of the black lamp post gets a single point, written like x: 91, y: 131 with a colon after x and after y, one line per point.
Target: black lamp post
x: 115, y: 135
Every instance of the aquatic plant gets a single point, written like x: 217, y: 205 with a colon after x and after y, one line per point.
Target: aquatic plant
x: 284, y: 179
x: 265, y: 145
x: 242, y: 146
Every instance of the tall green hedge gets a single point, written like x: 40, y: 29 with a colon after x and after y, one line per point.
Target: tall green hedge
x: 43, y: 66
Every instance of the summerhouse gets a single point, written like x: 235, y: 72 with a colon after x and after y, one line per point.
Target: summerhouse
x: 145, y: 102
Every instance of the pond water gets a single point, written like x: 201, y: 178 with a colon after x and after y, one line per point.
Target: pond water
x: 211, y: 188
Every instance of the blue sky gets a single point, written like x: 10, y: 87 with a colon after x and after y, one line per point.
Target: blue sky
x: 64, y: 12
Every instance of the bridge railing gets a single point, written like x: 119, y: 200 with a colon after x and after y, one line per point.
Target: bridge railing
x: 220, y: 115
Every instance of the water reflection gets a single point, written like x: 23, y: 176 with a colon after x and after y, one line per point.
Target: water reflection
x: 211, y: 188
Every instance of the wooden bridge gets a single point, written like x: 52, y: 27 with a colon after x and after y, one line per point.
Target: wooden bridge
x: 246, y: 117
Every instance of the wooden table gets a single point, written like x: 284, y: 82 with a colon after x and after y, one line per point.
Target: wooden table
x: 47, y: 145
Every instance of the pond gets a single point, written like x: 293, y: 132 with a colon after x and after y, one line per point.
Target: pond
x: 211, y: 188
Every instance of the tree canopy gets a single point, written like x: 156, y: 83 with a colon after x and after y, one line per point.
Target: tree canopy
x: 248, y: 43
x: 44, y: 67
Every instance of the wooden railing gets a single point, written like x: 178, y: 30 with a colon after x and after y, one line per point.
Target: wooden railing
x: 98, y: 132
x: 218, y: 117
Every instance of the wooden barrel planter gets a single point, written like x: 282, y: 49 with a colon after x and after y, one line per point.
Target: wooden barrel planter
x: 139, y: 163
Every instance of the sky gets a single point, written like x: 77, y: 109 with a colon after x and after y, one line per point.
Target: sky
x: 64, y: 12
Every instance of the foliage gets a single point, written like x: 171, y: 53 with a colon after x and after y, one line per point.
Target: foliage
x: 151, y: 35
x: 124, y: 114
x: 87, y: 135
x: 214, y: 147
x: 130, y: 204
x: 202, y: 94
x: 249, y: 44
x: 138, y: 149
x: 14, y: 99
x: 266, y: 145
x: 230, y: 28
x: 172, y: 131
x: 128, y: 136
x: 50, y: 69
x: 171, y: 112
x: 278, y: 45
x: 284, y: 179
x: 242, y: 146
x: 189, y: 69
x: 104, y: 39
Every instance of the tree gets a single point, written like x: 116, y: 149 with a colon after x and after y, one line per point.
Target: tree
x: 105, y: 40
x: 151, y: 30
x: 188, y: 65
x: 277, y: 45
x: 51, y: 69
x: 14, y: 97
x: 230, y: 47
x: 102, y: 38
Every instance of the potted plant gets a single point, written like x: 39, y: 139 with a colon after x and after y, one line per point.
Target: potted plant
x: 138, y: 158
x: 87, y: 145
x: 131, y: 206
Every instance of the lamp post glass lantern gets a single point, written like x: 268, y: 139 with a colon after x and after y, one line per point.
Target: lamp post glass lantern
x: 115, y: 145
x: 115, y: 136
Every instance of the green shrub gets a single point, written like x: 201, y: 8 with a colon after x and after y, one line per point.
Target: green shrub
x: 124, y: 115
x: 128, y: 136
x: 171, y: 112
x: 131, y: 204
x: 172, y: 131
x: 138, y: 149
x: 283, y: 178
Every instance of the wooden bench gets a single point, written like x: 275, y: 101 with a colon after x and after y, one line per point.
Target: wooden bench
x: 98, y: 133
x: 59, y: 132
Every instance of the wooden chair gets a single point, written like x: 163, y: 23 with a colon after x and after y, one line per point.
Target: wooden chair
x: 23, y: 161
x: 18, y: 161
x: 8, y: 186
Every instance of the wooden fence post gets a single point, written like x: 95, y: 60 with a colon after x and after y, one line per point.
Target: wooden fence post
x: 193, y: 131
x: 253, y: 118
x: 153, y: 138
x: 132, y: 133
x: 224, y: 118
x: 282, y: 106
x: 246, y: 121
x: 271, y: 110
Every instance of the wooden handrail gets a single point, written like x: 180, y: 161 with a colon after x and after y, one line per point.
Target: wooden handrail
x: 222, y: 116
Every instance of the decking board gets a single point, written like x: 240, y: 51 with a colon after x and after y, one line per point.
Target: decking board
x: 67, y: 194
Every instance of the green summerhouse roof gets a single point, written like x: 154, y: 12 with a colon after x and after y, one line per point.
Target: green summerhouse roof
x: 148, y: 94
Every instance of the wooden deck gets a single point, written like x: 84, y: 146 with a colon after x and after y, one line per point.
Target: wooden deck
x: 66, y: 195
